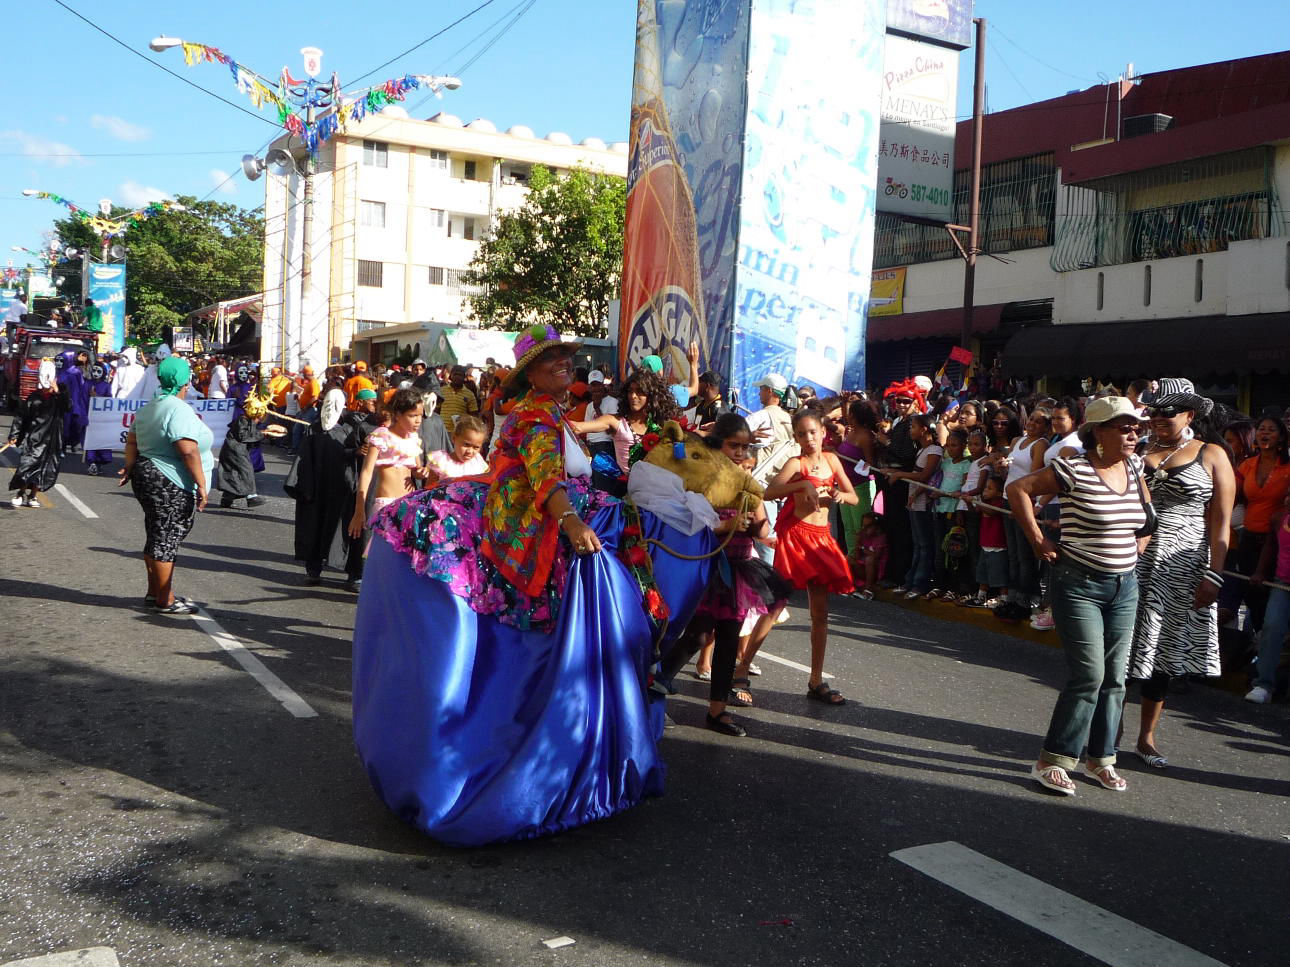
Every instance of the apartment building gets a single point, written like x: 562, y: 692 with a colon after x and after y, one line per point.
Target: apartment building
x: 398, y: 209
x: 1131, y: 229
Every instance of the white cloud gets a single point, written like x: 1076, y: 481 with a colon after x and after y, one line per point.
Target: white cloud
x: 223, y: 182
x: 136, y: 195
x: 119, y: 128
x: 34, y: 146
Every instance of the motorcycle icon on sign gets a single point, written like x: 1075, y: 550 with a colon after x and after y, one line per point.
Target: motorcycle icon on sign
x: 896, y: 188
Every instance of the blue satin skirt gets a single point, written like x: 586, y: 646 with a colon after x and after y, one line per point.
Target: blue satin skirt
x: 475, y: 733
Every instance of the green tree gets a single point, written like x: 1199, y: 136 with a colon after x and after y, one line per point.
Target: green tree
x: 178, y: 261
x: 557, y: 259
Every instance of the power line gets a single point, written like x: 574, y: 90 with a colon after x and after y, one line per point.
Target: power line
x: 117, y: 40
x: 488, y: 46
x: 994, y: 28
x: 418, y: 46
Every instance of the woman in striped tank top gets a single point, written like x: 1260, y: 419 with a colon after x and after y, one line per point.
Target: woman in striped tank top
x: 1094, y: 587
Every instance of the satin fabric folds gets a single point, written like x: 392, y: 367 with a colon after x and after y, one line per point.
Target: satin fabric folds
x: 475, y: 732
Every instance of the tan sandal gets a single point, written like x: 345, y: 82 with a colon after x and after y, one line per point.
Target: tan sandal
x: 1105, y: 776
x: 1054, y: 778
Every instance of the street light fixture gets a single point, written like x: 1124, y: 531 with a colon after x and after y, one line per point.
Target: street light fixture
x: 164, y: 43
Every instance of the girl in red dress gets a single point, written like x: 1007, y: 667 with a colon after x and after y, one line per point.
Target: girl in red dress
x: 806, y: 553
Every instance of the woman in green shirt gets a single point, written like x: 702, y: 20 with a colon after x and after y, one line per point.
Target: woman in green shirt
x: 168, y: 464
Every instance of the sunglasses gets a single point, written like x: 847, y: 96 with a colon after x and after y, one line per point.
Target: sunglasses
x: 1165, y: 412
x: 1125, y: 428
x: 901, y: 402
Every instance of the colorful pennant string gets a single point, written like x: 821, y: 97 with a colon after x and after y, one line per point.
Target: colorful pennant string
x: 343, y: 111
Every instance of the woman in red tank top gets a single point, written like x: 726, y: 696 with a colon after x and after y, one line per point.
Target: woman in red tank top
x: 806, y: 553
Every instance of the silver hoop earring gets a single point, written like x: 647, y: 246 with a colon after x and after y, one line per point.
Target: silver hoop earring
x: 1099, y: 450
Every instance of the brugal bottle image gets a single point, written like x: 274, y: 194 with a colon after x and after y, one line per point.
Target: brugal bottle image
x: 662, y: 293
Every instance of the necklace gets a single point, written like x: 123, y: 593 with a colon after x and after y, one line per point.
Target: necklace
x: 1159, y: 476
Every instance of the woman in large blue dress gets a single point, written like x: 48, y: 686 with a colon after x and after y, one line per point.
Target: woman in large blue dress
x: 505, y: 633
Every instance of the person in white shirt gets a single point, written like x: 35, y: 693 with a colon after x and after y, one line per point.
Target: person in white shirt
x: 17, y: 309
x: 128, y: 374
x: 149, y: 385
x: 218, y: 388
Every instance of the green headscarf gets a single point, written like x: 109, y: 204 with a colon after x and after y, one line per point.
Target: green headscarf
x: 173, y: 374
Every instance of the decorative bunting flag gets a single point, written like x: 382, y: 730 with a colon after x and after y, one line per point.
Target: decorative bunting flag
x: 342, y: 112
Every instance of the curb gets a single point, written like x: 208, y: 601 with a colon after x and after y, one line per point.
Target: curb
x: 1235, y: 682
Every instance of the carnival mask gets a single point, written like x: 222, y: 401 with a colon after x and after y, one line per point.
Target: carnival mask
x: 97, y: 372
x: 243, y: 374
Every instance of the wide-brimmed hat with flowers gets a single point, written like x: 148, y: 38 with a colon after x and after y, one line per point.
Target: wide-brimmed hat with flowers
x: 532, y: 343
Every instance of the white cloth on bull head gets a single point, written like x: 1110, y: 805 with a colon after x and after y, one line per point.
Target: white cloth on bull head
x: 662, y: 493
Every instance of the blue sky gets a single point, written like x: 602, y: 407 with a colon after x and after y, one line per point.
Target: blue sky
x: 87, y: 119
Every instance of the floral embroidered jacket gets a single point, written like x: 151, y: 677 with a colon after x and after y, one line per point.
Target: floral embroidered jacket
x: 526, y: 467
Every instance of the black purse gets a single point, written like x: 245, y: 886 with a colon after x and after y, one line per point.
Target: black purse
x: 1148, y: 528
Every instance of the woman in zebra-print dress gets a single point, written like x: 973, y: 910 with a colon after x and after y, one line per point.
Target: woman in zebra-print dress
x: 1192, y: 490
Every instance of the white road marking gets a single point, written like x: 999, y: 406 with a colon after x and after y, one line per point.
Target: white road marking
x: 86, y: 957
x: 275, y: 686
x: 76, y: 501
x: 1096, y: 932
x: 785, y: 661
x: 71, y: 499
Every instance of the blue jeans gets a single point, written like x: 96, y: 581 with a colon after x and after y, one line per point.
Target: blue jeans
x: 310, y: 415
x: 919, y: 576
x: 1276, y: 621
x: 1023, y: 567
x: 1094, y: 612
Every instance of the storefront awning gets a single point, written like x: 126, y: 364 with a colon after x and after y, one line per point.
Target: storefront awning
x: 936, y: 322
x: 1192, y: 347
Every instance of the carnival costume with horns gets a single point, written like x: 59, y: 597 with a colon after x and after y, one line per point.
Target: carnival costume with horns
x: 500, y: 681
x: 236, y: 468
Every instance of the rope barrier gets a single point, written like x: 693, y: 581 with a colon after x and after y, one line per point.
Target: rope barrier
x: 1267, y: 584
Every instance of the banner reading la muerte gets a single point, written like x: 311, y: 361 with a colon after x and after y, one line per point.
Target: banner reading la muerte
x: 111, y: 419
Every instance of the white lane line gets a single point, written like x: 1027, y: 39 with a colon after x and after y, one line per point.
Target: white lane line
x: 86, y: 957
x: 275, y: 686
x: 75, y: 501
x: 71, y: 497
x: 1090, y: 929
x: 784, y: 661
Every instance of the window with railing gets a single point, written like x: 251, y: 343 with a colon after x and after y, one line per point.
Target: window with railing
x: 436, y: 275
x: 371, y: 273
x: 1018, y: 211
x: 453, y: 278
x: 1190, y: 208
x: 365, y: 325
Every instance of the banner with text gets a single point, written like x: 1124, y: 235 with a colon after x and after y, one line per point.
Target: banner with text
x: 916, y: 155
x: 887, y: 292
x: 105, y: 284
x: 806, y: 224
x: 110, y: 420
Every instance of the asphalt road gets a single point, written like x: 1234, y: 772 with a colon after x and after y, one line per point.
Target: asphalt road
x: 157, y: 800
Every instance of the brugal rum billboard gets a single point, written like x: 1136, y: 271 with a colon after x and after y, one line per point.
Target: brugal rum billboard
x: 750, y: 206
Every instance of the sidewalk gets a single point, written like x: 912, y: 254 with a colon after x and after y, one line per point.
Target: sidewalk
x: 1236, y: 682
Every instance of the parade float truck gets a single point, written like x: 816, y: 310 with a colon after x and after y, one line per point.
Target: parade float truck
x: 29, y: 344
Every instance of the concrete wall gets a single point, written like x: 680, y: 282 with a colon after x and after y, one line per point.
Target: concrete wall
x: 939, y: 285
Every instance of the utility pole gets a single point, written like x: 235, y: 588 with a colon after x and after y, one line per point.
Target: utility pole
x: 974, y: 192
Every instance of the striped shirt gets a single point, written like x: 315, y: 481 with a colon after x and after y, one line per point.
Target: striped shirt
x: 1097, y: 522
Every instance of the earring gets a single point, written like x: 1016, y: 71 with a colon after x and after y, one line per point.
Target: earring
x: 1099, y: 450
